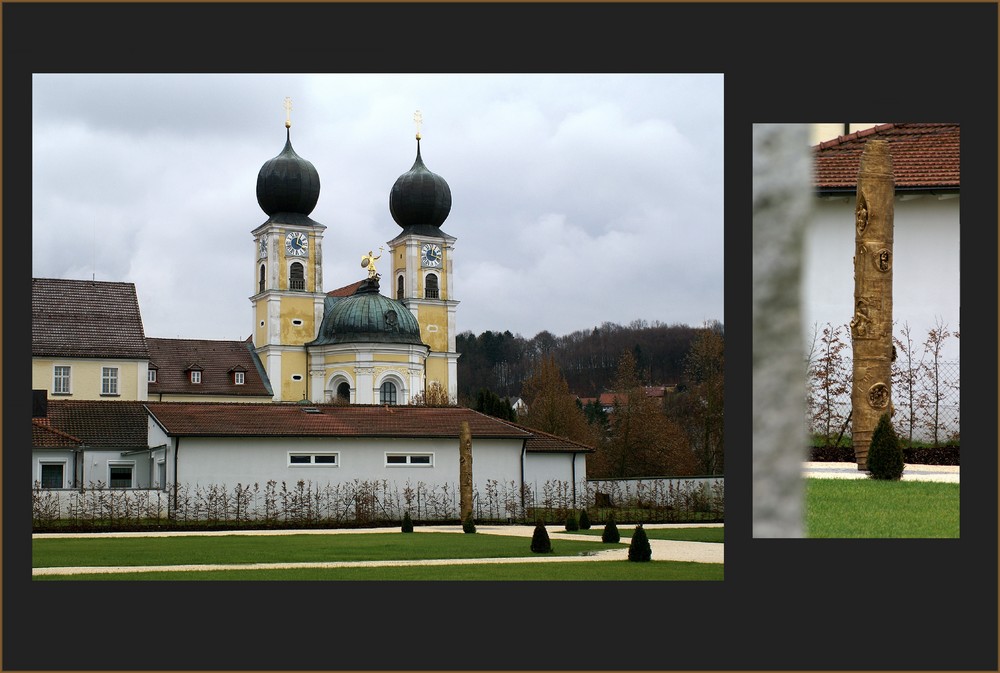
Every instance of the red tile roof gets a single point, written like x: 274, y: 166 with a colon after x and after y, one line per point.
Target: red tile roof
x: 201, y: 419
x: 347, y: 290
x: 44, y: 436
x: 101, y: 424
x: 924, y: 157
x: 86, y: 319
x: 217, y: 360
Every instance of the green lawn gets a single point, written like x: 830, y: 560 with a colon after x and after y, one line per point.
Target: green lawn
x: 706, y: 534
x: 868, y: 508
x: 555, y: 571
x: 131, y: 551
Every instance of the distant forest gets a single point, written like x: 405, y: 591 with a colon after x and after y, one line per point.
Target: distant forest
x: 588, y: 359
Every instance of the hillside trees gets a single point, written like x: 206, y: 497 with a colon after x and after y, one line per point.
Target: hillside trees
x: 641, y: 441
x: 551, y: 406
x: 700, y: 403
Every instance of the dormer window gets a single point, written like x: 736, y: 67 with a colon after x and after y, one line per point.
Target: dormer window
x: 238, y: 378
x: 151, y: 376
x: 195, y: 376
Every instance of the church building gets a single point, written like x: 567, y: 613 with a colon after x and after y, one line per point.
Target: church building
x: 353, y: 344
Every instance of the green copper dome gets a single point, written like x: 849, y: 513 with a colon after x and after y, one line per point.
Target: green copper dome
x: 366, y: 316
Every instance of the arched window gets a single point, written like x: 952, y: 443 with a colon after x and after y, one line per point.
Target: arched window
x: 399, y: 288
x: 344, y: 392
x: 387, y: 393
x: 431, y: 286
x: 261, y: 286
x: 296, y: 277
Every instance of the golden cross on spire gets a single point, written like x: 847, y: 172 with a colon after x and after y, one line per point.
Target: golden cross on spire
x: 288, y: 112
x: 418, y: 119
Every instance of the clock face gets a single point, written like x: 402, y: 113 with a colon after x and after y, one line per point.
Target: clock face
x: 296, y: 243
x: 262, y: 249
x: 430, y: 254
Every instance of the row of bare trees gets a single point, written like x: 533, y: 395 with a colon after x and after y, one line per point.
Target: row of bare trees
x: 925, y: 386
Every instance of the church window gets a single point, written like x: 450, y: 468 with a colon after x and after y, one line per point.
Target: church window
x: 60, y: 381
x: 297, y: 277
x: 120, y: 475
x: 399, y: 287
x: 52, y: 475
x: 109, y: 380
x: 260, y: 287
x: 431, y: 286
x: 387, y: 393
x: 344, y: 392
x: 425, y: 459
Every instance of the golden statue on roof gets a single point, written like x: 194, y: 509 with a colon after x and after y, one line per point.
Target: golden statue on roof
x: 368, y: 262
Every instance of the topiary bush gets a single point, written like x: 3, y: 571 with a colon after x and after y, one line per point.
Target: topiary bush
x: 571, y: 522
x: 610, y: 533
x: 885, y: 454
x: 540, y: 543
x: 468, y: 526
x: 407, y: 523
x: 638, y: 548
x: 584, y: 520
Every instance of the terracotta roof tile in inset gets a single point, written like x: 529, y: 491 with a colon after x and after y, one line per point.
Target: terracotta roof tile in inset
x: 925, y: 157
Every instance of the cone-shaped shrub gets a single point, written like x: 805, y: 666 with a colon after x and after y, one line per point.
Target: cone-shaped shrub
x: 584, y: 520
x: 638, y: 548
x: 540, y: 543
x: 571, y: 522
x: 610, y: 533
x: 407, y: 523
x: 468, y: 526
x: 885, y: 455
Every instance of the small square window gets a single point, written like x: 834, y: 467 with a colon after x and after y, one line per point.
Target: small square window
x: 120, y: 476
x: 52, y: 475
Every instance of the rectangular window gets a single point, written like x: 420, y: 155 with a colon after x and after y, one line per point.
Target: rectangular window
x: 52, y: 475
x: 314, y: 459
x: 109, y: 381
x: 120, y: 475
x: 151, y: 377
x: 60, y: 381
x: 239, y: 378
x: 421, y: 459
x: 195, y: 377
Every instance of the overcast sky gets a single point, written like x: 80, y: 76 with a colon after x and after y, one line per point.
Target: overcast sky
x: 576, y: 199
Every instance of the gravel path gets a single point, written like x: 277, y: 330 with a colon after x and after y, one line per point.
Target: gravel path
x: 663, y: 550
x: 911, y: 472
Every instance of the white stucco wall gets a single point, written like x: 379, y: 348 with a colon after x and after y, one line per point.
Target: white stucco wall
x: 208, y: 460
x: 926, y: 283
x: 542, y: 467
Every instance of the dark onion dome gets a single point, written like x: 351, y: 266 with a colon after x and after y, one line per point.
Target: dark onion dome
x: 366, y: 316
x: 287, y: 183
x: 420, y: 198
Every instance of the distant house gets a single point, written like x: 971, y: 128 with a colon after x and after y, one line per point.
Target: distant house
x: 78, y: 443
x: 607, y: 400
x: 87, y: 340
x: 925, y: 267
x: 205, y: 370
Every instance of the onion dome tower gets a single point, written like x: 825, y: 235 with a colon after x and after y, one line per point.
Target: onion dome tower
x: 288, y: 268
x: 422, y: 271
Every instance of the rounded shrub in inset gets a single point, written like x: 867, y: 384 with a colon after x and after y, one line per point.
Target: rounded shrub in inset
x: 571, y: 522
x: 610, y: 533
x: 584, y: 520
x: 468, y: 526
x: 885, y: 454
x: 638, y: 548
x: 407, y: 523
x: 540, y: 543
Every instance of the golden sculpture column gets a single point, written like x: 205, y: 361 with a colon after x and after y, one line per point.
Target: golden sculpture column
x: 871, y: 326
x: 465, y: 472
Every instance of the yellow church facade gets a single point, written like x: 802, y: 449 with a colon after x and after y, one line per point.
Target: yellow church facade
x: 354, y: 345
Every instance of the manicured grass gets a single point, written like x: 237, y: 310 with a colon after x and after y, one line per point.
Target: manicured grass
x: 130, y: 551
x: 867, y: 508
x: 583, y: 571
x: 707, y: 534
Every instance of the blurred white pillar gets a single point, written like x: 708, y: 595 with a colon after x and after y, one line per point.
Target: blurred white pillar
x: 782, y: 198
